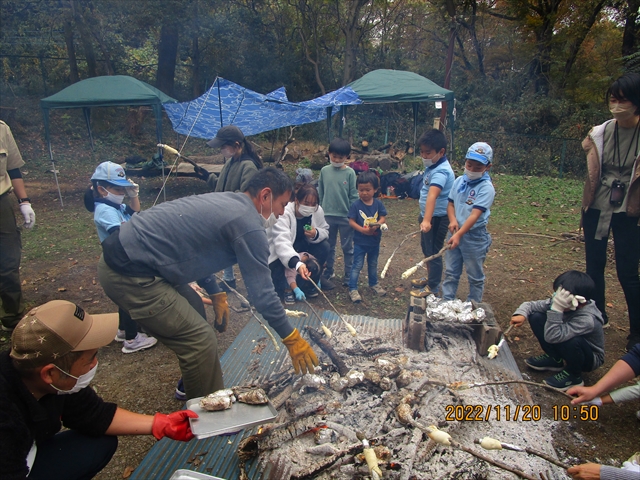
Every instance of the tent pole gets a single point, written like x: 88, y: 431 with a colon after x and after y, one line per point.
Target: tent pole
x: 343, y: 113
x: 219, y: 100
x: 386, y: 130
x: 157, y: 111
x: 87, y: 118
x: 329, y: 109
x: 45, y: 114
x: 415, y: 125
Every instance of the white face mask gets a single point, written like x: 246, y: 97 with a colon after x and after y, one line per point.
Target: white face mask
x: 473, y: 175
x: 622, y: 112
x: 427, y: 162
x: 271, y: 220
x: 306, y: 211
x: 82, y: 381
x: 337, y: 165
x: 117, y: 199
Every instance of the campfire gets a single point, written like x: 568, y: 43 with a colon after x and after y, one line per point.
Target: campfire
x: 371, y: 393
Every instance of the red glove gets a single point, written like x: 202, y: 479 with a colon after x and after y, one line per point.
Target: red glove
x: 175, y: 425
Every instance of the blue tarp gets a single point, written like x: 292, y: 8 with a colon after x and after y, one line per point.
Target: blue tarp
x: 227, y: 103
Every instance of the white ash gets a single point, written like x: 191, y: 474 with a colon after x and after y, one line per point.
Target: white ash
x: 363, y: 408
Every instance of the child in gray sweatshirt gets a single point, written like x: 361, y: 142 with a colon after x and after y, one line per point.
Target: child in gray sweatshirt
x: 568, y: 327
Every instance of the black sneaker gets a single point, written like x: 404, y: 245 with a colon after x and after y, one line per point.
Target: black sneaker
x: 545, y: 363
x: 564, y: 381
x: 312, y: 294
x: 289, y: 298
x: 327, y: 284
x: 231, y: 283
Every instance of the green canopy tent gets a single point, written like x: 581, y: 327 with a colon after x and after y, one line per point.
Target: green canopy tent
x: 107, y: 91
x: 397, y: 86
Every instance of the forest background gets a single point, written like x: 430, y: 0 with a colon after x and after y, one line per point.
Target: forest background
x: 528, y: 75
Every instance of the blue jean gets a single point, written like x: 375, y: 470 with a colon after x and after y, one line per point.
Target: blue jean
x: 471, y: 253
x: 431, y: 243
x: 359, y: 252
x: 339, y: 225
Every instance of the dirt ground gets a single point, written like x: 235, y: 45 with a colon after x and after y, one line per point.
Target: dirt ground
x: 518, y: 268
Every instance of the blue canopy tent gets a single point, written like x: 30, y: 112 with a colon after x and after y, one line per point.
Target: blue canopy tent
x: 227, y: 103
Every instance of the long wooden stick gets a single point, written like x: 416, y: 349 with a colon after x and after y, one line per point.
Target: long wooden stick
x: 464, y: 386
x: 386, y: 265
x: 422, y: 263
x: 496, y: 463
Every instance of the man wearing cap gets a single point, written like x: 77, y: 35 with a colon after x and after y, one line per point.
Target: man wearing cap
x: 187, y: 239
x: 10, y: 243
x: 470, y: 200
x: 44, y: 385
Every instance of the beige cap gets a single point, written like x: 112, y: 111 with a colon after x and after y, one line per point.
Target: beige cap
x: 56, y: 328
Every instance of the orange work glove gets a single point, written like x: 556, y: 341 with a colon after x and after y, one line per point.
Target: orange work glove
x: 175, y: 425
x: 302, y: 355
x: 221, y: 309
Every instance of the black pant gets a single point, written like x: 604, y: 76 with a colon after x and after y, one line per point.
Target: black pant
x: 277, y: 277
x: 431, y: 243
x: 576, y: 352
x: 626, y: 237
x: 70, y: 455
x: 319, y: 250
x: 10, y: 252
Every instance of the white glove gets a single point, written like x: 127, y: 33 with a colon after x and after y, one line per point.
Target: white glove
x: 384, y: 227
x: 133, y: 190
x: 28, y: 214
x: 564, y: 300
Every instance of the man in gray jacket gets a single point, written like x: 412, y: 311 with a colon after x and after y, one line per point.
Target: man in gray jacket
x: 569, y: 328
x: 187, y: 239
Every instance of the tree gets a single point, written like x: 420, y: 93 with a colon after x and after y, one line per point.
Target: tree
x: 167, y: 54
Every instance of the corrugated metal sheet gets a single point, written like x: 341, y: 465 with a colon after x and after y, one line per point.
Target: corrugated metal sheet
x: 241, y: 365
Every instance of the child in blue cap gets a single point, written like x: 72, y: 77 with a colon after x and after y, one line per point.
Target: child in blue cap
x: 109, y: 187
x: 469, y: 202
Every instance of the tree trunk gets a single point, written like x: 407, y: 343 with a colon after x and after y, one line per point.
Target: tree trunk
x: 585, y: 28
x: 85, y: 38
x: 108, y: 62
x: 195, y: 74
x: 631, y: 29
x: 315, y: 63
x: 167, y: 54
x: 350, y: 30
x: 71, y: 52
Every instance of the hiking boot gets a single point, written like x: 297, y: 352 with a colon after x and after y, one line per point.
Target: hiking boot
x: 289, y: 298
x: 231, y: 283
x: 120, y: 336
x: 564, y: 381
x: 419, y: 283
x: 545, y: 363
x: 180, y: 395
x: 327, y: 283
x: 355, y: 296
x: 423, y: 292
x: 141, y: 342
x: 379, y: 290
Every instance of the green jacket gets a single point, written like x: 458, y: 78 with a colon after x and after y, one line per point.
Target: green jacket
x: 235, y: 175
x: 337, y: 190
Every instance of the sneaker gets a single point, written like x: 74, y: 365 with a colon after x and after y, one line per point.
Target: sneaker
x: 327, y: 283
x: 6, y: 329
x: 289, y: 298
x: 564, y: 381
x: 120, y: 336
x: 379, y: 290
x: 545, y: 363
x: 355, y: 296
x: 423, y: 292
x: 312, y: 294
x: 141, y: 342
x: 231, y: 283
x: 606, y: 323
x: 419, y: 283
x: 180, y: 395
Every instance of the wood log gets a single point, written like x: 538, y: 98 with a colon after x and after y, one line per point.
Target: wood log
x: 384, y: 147
x: 326, y: 347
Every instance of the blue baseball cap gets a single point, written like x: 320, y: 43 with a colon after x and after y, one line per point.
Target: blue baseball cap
x: 112, y: 173
x: 480, y: 152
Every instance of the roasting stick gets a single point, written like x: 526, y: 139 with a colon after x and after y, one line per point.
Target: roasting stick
x: 352, y: 330
x: 444, y: 438
x: 464, y: 386
x: 489, y: 443
x: 325, y: 329
x: 273, y: 339
x: 422, y: 263
x: 494, y: 349
x: 386, y: 265
x: 173, y: 151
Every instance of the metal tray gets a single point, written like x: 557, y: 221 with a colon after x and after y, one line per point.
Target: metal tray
x: 238, y: 417
x: 184, y: 474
